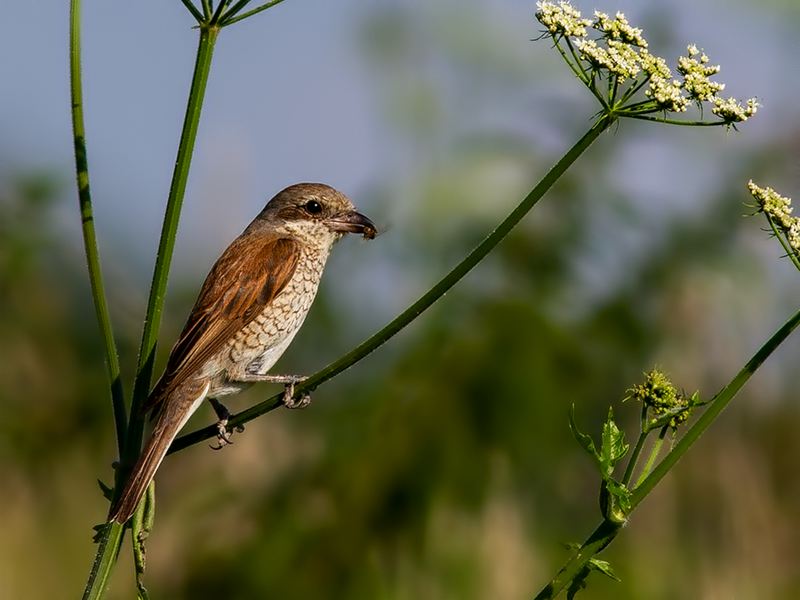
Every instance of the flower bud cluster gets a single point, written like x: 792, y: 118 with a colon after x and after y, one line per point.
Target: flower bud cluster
x: 661, y: 397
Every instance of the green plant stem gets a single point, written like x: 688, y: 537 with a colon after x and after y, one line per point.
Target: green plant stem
x: 155, y: 303
x: 641, y: 117
x: 107, y: 553
x: 790, y: 252
x: 418, y: 307
x: 193, y: 10
x: 605, y: 533
x: 87, y: 226
x: 637, y: 450
x: 601, y: 537
x: 111, y: 537
x: 651, y: 459
x: 230, y: 21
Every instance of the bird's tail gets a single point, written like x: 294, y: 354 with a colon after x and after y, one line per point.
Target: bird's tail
x: 174, y: 412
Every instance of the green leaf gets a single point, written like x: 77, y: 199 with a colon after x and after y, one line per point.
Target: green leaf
x: 595, y: 564
x: 613, y: 447
x: 583, y: 439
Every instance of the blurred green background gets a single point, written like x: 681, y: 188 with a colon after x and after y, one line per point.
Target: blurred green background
x: 441, y: 466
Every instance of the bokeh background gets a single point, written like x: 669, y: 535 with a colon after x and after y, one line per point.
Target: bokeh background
x: 441, y: 466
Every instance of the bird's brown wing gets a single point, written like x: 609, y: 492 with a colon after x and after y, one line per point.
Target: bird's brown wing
x: 246, y: 278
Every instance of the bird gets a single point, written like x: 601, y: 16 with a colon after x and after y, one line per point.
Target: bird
x: 251, y: 305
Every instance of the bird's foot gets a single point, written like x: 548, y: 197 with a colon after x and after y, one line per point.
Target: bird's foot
x: 289, y: 401
x: 224, y: 415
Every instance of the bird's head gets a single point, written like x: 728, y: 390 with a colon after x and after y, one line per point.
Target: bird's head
x: 314, y: 212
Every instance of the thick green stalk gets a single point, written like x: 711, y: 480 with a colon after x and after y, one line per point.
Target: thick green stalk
x: 111, y: 537
x: 107, y: 552
x: 155, y: 303
x: 418, y: 307
x: 87, y: 225
x: 606, y: 531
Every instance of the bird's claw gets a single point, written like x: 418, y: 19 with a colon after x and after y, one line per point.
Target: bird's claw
x: 289, y: 401
x: 223, y: 435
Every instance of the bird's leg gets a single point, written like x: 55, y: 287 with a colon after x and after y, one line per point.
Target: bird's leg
x: 289, y: 381
x: 223, y: 414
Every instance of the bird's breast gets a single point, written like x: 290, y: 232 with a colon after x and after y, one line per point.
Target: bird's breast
x: 258, y: 346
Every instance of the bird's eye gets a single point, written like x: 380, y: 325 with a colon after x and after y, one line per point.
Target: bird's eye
x: 313, y: 207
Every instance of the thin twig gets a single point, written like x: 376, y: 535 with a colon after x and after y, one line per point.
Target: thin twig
x: 250, y: 13
x: 193, y: 10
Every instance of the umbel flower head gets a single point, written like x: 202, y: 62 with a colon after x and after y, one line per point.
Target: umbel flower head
x: 662, y: 399
x: 778, y: 210
x: 612, y: 59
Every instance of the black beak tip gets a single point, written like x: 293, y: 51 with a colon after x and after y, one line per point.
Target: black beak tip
x: 355, y: 222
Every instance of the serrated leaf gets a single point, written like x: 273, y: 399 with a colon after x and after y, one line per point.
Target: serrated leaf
x: 583, y: 439
x: 613, y: 447
x: 604, y: 567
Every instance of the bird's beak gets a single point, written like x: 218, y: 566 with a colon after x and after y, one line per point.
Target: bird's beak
x: 352, y: 222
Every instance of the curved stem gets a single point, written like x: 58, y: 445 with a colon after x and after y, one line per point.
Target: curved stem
x: 87, y: 226
x: 606, y: 532
x: 418, y: 307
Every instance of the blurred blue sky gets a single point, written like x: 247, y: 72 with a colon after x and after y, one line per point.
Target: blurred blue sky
x: 292, y: 97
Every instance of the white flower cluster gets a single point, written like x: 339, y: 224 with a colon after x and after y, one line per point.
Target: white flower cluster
x: 620, y: 58
x: 696, y: 73
x: 561, y: 19
x: 779, y: 209
x: 618, y: 28
x: 667, y: 93
x: 663, y: 89
x: 732, y: 111
x: 620, y: 52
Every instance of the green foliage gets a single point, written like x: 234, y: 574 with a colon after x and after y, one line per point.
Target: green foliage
x: 614, y: 495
